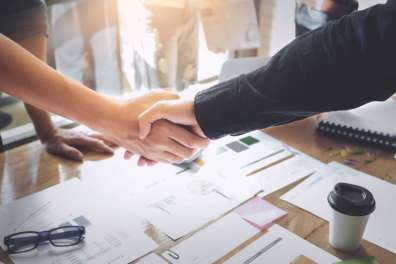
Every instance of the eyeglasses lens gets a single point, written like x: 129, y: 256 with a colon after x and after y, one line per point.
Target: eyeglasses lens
x: 22, y: 242
x: 66, y: 236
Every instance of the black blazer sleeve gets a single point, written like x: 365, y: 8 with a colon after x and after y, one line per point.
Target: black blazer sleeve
x: 342, y: 65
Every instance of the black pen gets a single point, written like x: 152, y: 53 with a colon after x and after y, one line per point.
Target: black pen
x: 262, y: 251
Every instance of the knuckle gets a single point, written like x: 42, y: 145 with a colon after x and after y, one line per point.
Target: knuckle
x: 152, y: 142
x: 159, y: 106
x: 203, y: 142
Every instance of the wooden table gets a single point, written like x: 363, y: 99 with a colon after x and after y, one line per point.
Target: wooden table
x: 28, y: 169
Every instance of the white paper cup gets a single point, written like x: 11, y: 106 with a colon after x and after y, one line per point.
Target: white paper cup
x: 352, y: 206
x: 346, y: 231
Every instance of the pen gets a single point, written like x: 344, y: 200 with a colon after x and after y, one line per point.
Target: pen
x: 262, y: 158
x: 262, y: 251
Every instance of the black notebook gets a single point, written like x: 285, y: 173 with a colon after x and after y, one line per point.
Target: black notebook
x: 373, y: 123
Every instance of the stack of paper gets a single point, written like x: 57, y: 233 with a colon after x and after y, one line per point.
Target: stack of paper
x: 311, y: 195
x: 112, y: 203
x: 179, y: 203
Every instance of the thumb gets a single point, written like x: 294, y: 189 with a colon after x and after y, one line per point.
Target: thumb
x: 176, y: 111
x: 149, y: 116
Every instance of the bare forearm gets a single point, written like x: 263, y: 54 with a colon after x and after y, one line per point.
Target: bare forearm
x: 26, y: 77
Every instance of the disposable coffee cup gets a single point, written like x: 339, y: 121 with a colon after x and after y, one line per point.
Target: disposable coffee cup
x: 352, y: 206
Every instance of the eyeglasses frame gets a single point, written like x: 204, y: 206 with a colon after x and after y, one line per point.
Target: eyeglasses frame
x: 44, y: 236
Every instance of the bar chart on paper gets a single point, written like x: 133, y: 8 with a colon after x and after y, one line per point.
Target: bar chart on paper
x: 245, y: 154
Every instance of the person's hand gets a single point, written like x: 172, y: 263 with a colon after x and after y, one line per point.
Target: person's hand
x: 177, y: 111
x: 169, y: 143
x: 68, y: 144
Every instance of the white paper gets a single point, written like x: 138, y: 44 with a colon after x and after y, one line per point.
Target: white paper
x: 280, y: 246
x: 267, y: 162
x: 110, y: 236
x: 213, y: 242
x: 311, y: 195
x: 186, y: 202
x: 284, y: 173
x: 226, y: 160
x: 374, y: 117
x: 152, y: 259
x: 176, y: 204
x: 123, y: 178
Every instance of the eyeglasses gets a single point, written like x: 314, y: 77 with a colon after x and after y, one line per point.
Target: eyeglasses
x: 64, y: 236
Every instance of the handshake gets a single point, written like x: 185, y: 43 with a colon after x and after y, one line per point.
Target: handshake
x: 158, y: 126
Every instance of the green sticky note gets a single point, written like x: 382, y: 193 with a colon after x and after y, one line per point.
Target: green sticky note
x: 249, y: 140
x: 368, y: 260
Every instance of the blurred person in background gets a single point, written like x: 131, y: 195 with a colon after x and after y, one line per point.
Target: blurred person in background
x: 313, y: 14
x: 25, y: 22
x: 84, y: 43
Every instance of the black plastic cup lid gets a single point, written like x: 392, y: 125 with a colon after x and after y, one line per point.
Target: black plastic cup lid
x: 351, y: 199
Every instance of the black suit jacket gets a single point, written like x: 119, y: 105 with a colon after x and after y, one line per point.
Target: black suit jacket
x: 345, y: 64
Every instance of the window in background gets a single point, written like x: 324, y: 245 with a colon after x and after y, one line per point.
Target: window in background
x: 163, y: 45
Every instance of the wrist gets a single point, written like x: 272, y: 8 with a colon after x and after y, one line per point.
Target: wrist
x: 112, y: 119
x: 46, y: 134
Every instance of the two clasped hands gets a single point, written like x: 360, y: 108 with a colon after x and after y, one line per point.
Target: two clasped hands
x: 134, y: 124
x: 162, y: 128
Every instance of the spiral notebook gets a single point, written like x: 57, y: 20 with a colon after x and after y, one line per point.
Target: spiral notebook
x: 373, y: 123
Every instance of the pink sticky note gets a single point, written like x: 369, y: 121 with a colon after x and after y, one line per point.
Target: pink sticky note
x: 260, y: 213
